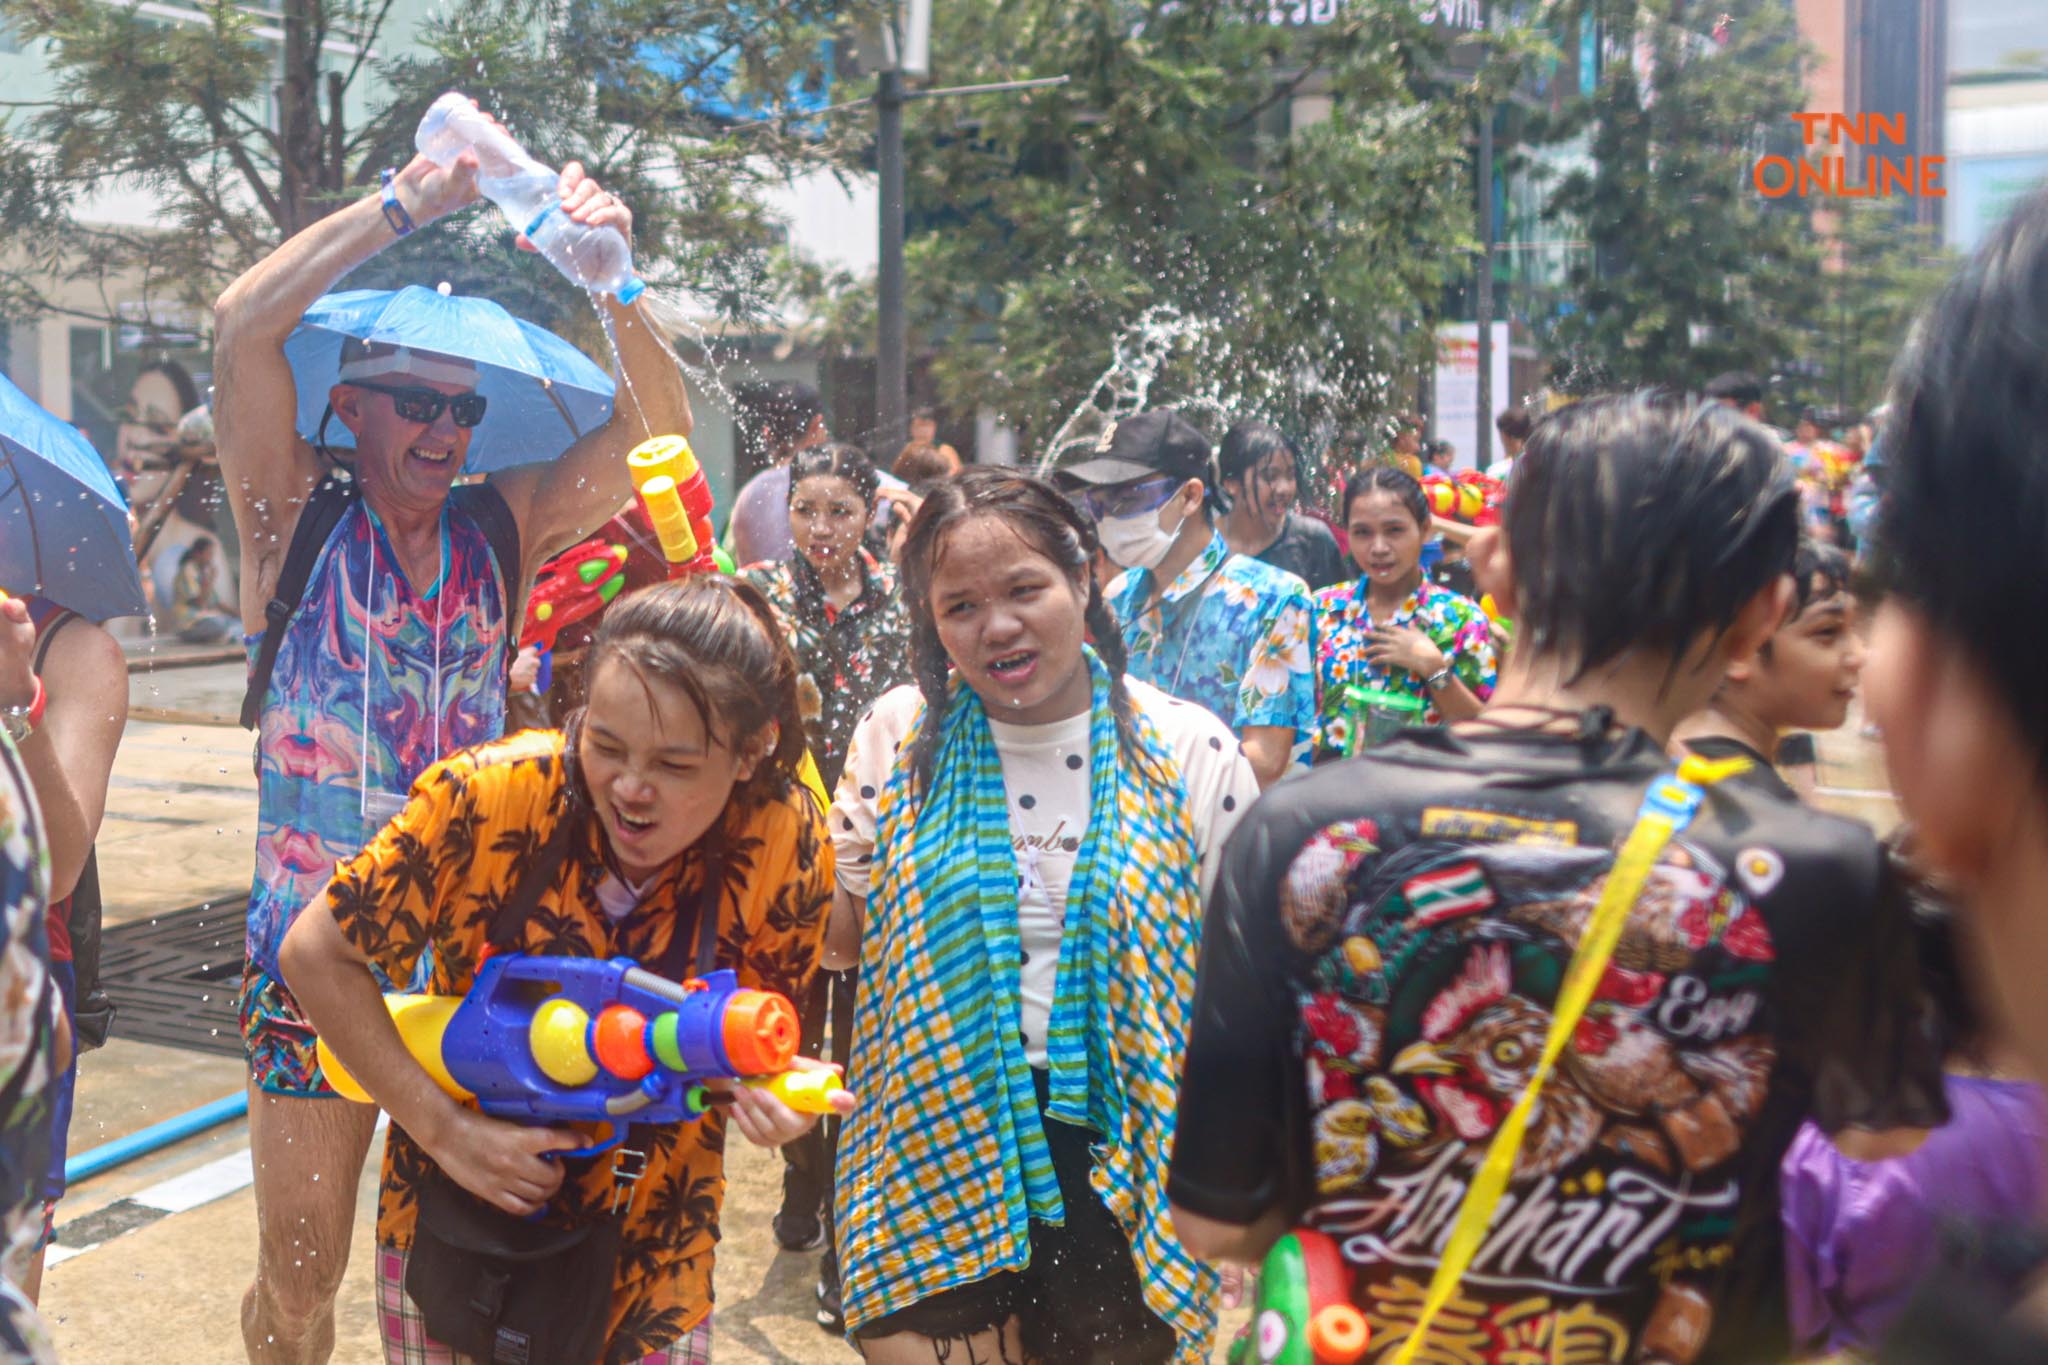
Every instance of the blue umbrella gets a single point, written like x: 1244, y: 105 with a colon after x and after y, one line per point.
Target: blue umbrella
x: 63, y: 521
x: 543, y: 392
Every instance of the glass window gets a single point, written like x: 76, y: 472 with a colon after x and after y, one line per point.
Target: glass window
x: 1996, y: 37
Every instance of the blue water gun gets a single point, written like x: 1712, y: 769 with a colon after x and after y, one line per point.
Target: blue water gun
x: 585, y: 1040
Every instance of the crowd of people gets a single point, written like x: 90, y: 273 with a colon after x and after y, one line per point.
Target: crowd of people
x: 1196, y: 868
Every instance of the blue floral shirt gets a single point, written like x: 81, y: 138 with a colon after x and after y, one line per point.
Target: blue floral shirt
x: 1231, y: 633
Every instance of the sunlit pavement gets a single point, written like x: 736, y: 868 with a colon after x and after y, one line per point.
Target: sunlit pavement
x: 154, y: 1255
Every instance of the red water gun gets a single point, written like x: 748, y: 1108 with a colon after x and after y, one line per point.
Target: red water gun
x: 576, y: 583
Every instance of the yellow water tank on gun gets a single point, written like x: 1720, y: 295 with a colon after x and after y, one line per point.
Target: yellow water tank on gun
x: 422, y: 1020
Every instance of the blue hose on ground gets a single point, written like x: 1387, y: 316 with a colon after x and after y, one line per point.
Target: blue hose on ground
x: 108, y: 1155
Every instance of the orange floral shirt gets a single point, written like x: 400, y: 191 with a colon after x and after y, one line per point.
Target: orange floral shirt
x: 432, y: 881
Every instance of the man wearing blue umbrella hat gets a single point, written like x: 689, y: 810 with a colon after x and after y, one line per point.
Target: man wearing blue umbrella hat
x: 392, y: 651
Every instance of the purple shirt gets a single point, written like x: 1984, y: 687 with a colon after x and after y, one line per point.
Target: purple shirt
x: 759, y: 531
x: 1861, y: 1235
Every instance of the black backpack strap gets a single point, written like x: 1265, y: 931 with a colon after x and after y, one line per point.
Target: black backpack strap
x: 486, y: 506
x: 48, y: 635
x: 678, y: 958
x: 512, y: 916
x: 317, y: 519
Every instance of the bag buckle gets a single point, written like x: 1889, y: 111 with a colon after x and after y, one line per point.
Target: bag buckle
x: 487, y: 1294
x: 629, y: 1166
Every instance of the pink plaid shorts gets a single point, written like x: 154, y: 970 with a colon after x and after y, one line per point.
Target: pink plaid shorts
x: 406, y: 1341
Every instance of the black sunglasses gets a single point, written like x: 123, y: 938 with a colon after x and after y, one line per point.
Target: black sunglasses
x: 416, y: 404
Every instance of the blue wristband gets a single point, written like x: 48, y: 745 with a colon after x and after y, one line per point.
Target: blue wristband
x: 394, y: 212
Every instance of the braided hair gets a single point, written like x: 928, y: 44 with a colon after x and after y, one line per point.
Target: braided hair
x: 1044, y: 520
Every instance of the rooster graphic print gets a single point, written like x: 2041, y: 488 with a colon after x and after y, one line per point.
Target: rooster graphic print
x: 1435, y: 969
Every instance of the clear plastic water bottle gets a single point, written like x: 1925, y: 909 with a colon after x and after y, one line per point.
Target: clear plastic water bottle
x: 524, y: 190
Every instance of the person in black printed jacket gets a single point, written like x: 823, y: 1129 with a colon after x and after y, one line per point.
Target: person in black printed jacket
x: 1387, y: 937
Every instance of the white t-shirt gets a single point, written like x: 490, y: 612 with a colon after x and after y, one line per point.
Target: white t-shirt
x: 1045, y: 773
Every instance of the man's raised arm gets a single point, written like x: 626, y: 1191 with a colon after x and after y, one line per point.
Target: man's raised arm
x: 267, y: 467
x: 560, y: 503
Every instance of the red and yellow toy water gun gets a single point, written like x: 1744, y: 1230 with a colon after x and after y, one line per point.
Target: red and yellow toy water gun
x: 677, y: 499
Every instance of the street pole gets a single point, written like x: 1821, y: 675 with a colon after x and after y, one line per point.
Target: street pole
x: 1482, y: 453
x: 892, y: 380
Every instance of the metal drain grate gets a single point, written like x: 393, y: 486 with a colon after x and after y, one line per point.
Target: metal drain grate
x: 173, y: 978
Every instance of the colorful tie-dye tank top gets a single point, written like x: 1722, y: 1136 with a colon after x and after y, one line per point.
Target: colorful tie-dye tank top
x: 374, y: 681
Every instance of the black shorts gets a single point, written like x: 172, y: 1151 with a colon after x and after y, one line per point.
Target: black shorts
x: 1077, y: 1302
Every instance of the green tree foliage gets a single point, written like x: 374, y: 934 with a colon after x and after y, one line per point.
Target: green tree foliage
x: 241, y: 137
x: 1297, y: 266
x: 1883, y: 270
x: 1691, y: 271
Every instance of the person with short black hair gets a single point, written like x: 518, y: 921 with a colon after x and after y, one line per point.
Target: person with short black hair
x: 1209, y: 626
x: 1738, y: 389
x: 776, y: 418
x: 1955, y: 681
x: 1513, y: 425
x: 1261, y: 475
x: 1382, y: 1007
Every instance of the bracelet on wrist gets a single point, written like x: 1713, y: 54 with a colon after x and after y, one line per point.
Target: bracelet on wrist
x: 22, y: 721
x: 394, y: 212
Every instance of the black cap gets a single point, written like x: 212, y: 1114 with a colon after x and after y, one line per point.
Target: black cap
x: 1149, y: 443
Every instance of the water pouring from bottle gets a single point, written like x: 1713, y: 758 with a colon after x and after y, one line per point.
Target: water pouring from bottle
x: 599, y: 259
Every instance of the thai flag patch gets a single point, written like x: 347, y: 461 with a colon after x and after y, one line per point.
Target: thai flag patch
x: 1434, y: 897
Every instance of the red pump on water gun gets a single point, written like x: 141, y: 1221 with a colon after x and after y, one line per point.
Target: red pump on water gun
x: 1303, y: 1314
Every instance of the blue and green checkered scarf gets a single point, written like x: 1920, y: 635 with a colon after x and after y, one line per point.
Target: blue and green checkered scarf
x: 944, y: 1163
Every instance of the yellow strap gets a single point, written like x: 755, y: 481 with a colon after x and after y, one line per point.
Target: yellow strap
x: 1667, y: 809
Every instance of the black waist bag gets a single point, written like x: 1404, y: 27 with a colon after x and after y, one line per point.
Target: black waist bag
x: 507, y: 1290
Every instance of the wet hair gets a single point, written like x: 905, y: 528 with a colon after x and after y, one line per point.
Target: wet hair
x: 1386, y: 478
x: 925, y: 462
x: 1050, y: 525
x: 1638, y: 521
x: 1817, y: 560
x: 1514, y: 423
x: 775, y: 414
x: 1969, y: 412
x: 1737, y: 386
x: 1248, y: 445
x: 192, y: 551
x: 838, y: 460
x: 715, y: 639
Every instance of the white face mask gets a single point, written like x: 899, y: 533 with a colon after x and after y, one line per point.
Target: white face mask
x: 1138, y: 541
